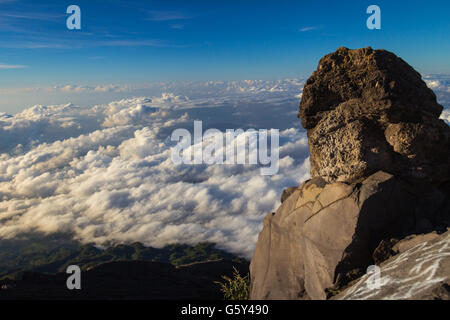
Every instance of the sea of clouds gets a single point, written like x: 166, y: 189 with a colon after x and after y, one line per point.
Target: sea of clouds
x: 104, y: 174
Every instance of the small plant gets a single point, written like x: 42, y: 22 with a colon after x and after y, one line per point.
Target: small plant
x: 236, y: 288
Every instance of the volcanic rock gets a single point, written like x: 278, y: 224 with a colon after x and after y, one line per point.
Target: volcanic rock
x: 367, y: 110
x: 380, y: 173
x: 420, y: 272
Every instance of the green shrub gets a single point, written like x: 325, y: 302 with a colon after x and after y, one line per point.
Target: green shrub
x: 236, y: 288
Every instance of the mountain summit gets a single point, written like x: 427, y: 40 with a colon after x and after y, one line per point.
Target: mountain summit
x: 380, y: 173
x: 367, y: 110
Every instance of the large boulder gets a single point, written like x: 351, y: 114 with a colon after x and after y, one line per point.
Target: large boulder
x: 326, y: 233
x: 367, y: 110
x: 380, y: 172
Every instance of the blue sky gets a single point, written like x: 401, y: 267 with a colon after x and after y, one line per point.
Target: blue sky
x: 142, y: 41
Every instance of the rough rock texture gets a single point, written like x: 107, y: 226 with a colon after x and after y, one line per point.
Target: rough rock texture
x: 286, y: 193
x: 421, y: 271
x: 380, y: 173
x: 367, y: 110
x: 325, y: 232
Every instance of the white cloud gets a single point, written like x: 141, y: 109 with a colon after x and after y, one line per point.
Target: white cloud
x: 104, y: 174
x: 305, y: 29
x: 167, y: 16
x: 432, y: 84
x: 445, y: 115
x: 177, y: 26
x: 85, y: 89
x: 12, y: 66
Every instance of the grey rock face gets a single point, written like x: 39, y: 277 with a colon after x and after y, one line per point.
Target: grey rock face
x: 325, y: 231
x: 420, y: 272
x: 380, y: 173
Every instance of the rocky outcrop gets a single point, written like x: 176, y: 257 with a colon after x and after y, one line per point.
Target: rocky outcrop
x: 326, y: 233
x: 420, y: 270
x: 367, y: 110
x: 379, y: 174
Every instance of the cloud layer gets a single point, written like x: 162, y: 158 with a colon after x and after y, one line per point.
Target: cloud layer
x: 104, y: 174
